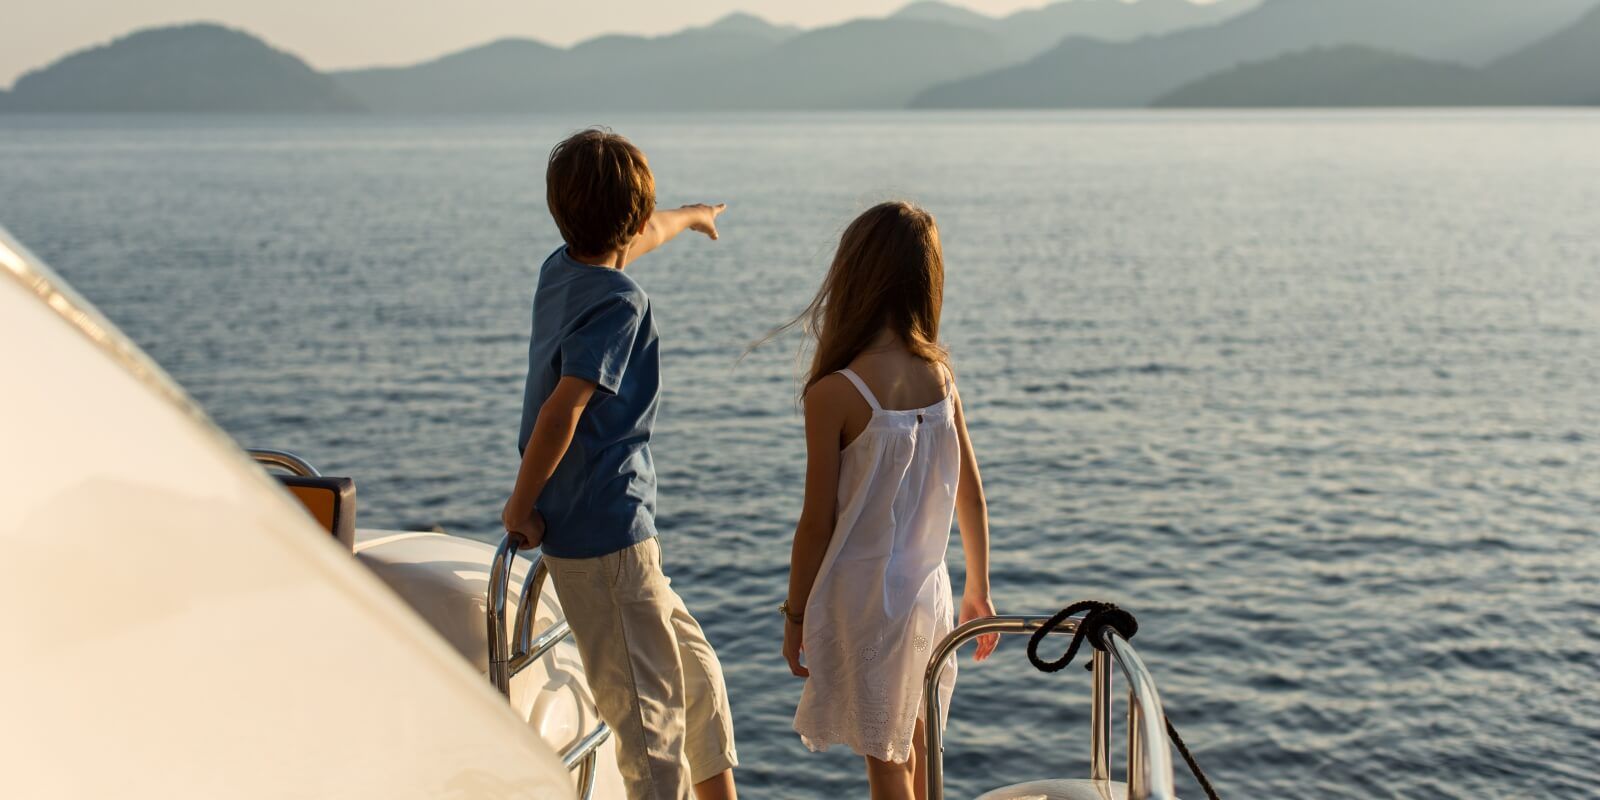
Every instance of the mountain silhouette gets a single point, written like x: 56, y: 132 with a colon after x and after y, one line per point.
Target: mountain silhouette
x: 198, y: 67
x: 739, y: 62
x: 636, y: 72
x: 875, y: 63
x: 1082, y: 72
x: 1562, y: 69
x: 744, y: 62
x: 1557, y: 70
x: 1030, y: 31
x: 483, y: 77
x: 929, y: 54
x: 1345, y: 76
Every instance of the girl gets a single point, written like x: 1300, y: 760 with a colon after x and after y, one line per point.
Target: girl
x: 888, y: 465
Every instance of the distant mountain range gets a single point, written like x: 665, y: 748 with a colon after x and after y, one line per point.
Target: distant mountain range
x: 743, y: 62
x: 1079, y: 73
x: 930, y: 54
x: 1347, y: 75
x: 1563, y: 69
x: 1032, y: 31
x: 738, y: 62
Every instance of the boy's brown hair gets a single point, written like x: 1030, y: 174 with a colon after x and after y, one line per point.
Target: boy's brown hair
x: 600, y: 191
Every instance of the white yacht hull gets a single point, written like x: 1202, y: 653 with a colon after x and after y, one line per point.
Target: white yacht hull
x: 445, y: 579
x: 173, y: 625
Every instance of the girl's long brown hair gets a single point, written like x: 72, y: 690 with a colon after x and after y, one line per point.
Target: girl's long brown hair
x: 888, y: 273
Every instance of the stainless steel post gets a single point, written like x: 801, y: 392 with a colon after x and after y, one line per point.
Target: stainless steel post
x: 499, y: 646
x: 942, y: 653
x: 586, y: 778
x: 506, y: 660
x: 528, y: 605
x: 1149, y: 750
x: 1100, y: 718
x: 584, y: 757
x: 1138, y: 786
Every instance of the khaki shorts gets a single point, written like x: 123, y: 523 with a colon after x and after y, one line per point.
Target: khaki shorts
x: 656, y: 681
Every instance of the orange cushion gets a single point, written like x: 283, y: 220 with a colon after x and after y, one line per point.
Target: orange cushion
x: 330, y: 501
x: 322, y: 502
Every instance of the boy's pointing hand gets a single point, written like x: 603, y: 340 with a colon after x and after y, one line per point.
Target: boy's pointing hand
x: 705, y: 218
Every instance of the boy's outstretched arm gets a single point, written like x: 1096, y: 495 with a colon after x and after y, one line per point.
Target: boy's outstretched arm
x: 664, y: 225
x: 552, y: 435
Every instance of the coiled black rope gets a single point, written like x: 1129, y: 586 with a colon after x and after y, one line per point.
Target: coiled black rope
x: 1099, y: 617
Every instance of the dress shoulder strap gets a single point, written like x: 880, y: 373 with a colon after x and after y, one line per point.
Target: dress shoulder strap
x: 861, y: 386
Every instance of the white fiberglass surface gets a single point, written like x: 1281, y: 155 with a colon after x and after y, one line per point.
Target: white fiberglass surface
x: 174, y: 627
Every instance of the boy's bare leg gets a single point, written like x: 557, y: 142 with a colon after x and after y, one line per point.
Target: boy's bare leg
x: 716, y: 787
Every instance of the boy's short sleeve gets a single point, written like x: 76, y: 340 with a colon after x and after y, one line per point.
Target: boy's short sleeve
x: 598, y: 348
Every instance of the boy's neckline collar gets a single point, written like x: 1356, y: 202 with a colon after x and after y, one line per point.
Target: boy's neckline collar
x: 566, y: 254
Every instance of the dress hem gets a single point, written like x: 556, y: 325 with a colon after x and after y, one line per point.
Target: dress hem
x: 886, y: 754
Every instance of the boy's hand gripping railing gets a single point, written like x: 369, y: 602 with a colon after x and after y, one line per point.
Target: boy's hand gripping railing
x: 1149, y: 751
x: 509, y: 656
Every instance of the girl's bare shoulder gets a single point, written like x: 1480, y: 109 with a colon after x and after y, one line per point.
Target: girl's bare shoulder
x: 831, y: 393
x: 901, y: 379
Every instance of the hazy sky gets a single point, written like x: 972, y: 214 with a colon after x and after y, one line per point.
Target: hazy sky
x: 345, y: 33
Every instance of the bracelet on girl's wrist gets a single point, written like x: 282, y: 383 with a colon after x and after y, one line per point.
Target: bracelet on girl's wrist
x: 797, y: 619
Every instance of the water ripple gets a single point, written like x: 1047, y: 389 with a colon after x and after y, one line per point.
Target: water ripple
x: 1317, y: 399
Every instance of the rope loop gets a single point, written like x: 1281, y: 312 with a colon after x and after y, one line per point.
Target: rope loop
x: 1100, y: 616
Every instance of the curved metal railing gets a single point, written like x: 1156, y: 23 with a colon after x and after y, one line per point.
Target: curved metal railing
x: 1149, y: 774
x: 284, y: 460
x: 1149, y: 749
x: 505, y: 661
x: 509, y: 656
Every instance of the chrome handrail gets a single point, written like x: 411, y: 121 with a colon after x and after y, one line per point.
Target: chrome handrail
x: 1149, y: 752
x: 499, y: 647
x: 284, y: 460
x: 527, y: 646
x: 528, y: 606
x: 505, y: 661
x: 1100, y: 717
x: 585, y: 756
x: 1149, y: 749
x: 547, y: 639
x: 508, y: 657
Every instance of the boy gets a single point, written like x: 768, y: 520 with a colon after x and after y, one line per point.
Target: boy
x: 586, y: 490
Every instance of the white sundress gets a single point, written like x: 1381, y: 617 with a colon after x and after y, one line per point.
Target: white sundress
x: 882, y: 597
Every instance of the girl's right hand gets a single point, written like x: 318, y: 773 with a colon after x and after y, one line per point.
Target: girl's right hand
x: 978, y: 606
x: 793, y: 636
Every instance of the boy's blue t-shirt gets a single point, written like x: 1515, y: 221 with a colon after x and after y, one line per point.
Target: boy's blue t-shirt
x: 595, y: 323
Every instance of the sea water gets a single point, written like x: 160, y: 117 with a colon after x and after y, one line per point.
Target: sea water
x: 1316, y: 395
